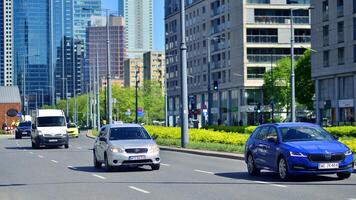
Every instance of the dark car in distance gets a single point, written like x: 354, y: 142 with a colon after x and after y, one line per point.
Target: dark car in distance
x: 293, y: 149
x: 23, y: 129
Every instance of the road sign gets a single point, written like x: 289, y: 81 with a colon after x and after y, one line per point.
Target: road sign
x: 205, y: 112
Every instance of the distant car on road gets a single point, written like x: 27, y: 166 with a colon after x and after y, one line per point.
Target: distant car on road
x: 297, y: 149
x: 23, y: 129
x: 125, y: 145
x: 72, y: 130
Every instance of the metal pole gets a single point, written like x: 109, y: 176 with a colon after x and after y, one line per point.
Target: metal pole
x: 24, y: 85
x: 42, y: 99
x: 210, y: 120
x: 184, y: 89
x: 97, y: 90
x: 272, y: 90
x: 108, y: 82
x: 36, y: 100
x: 293, y: 113
x: 136, y: 96
x: 87, y: 115
x: 67, y: 105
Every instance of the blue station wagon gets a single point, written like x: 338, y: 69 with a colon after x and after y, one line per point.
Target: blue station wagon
x: 295, y: 149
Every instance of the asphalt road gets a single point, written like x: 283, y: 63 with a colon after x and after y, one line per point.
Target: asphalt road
x: 59, y: 173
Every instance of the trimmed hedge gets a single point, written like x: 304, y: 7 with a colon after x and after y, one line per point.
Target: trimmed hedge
x: 342, y: 131
x: 234, y: 129
x: 199, y: 135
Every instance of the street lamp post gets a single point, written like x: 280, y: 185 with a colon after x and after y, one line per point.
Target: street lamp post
x: 136, y: 95
x: 184, y: 89
x: 65, y: 80
x: 293, y: 112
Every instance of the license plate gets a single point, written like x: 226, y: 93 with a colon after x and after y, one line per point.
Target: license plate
x: 137, y: 157
x: 328, y: 165
x: 24, y: 133
x: 52, y: 140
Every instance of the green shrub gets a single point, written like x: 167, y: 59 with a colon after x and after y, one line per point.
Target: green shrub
x: 342, y: 131
x: 234, y: 129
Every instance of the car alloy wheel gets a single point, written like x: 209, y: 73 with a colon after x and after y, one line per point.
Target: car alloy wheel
x: 251, y: 168
x: 343, y: 175
x: 97, y: 164
x: 283, y: 169
x: 108, y: 168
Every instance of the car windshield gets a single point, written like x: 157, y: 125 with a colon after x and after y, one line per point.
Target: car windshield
x: 71, y: 126
x: 129, y: 133
x: 304, y: 133
x: 25, y: 124
x: 50, y: 121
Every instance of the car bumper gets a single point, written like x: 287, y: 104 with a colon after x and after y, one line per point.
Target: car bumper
x: 23, y: 132
x: 304, y: 166
x: 52, y: 141
x: 125, y: 159
x: 73, y: 134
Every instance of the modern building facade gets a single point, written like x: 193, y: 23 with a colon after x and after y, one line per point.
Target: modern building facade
x: 334, y: 60
x: 138, y: 16
x: 97, y: 46
x: 32, y: 49
x: 154, y: 67
x: 6, y: 41
x: 133, y: 66
x: 83, y: 10
x: 245, y: 39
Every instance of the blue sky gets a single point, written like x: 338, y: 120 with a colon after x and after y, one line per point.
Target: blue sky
x: 158, y: 20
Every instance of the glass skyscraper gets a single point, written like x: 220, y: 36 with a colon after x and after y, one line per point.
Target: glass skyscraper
x: 138, y: 16
x: 83, y: 10
x: 32, y: 47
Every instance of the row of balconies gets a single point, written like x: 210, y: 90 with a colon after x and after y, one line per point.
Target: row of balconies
x: 274, y: 39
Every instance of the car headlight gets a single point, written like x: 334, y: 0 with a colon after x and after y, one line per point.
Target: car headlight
x: 154, y: 149
x: 348, y: 152
x: 116, y: 150
x: 39, y: 132
x: 297, y: 154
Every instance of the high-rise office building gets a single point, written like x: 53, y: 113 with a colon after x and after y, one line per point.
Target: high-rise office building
x: 333, y: 60
x: 83, y: 10
x: 154, y: 67
x: 138, y: 16
x: 32, y: 47
x: 6, y: 49
x: 96, y: 45
x: 133, y: 66
x: 246, y: 38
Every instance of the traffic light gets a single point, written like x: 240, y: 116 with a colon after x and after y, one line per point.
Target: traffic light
x: 259, y: 107
x: 216, y: 85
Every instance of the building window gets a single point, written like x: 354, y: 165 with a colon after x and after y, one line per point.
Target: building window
x: 340, y: 32
x: 325, y: 10
x: 354, y: 27
x: 355, y: 53
x: 346, y: 85
x: 340, y: 8
x: 354, y: 6
x: 326, y: 35
x: 255, y: 72
x: 326, y: 58
x: 340, y: 56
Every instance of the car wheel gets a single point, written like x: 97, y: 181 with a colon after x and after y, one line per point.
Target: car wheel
x: 283, y: 169
x: 33, y: 145
x: 17, y: 136
x: 251, y: 167
x: 97, y: 164
x: 155, y: 166
x: 108, y: 167
x: 343, y: 175
x: 66, y: 146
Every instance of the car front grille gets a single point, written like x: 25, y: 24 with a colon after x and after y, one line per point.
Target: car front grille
x: 326, y: 157
x: 130, y: 162
x: 137, y: 150
x: 56, y: 135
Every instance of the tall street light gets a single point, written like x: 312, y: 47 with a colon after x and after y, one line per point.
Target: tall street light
x: 136, y: 94
x: 108, y: 77
x: 184, y: 89
x: 65, y: 80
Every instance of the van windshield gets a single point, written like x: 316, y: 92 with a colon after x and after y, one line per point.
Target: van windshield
x: 50, y: 121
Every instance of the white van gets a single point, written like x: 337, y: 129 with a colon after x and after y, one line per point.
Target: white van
x: 49, y: 128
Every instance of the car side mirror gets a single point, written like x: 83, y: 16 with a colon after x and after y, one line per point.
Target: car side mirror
x: 336, y: 137
x: 33, y: 126
x: 154, y: 137
x: 272, y: 140
x: 102, y: 139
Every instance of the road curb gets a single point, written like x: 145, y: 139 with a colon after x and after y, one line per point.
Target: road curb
x: 193, y: 151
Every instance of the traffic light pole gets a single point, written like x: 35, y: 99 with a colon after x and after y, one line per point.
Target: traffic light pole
x: 209, y: 84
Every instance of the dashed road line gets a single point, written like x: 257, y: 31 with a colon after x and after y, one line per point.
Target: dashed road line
x: 277, y: 185
x: 30, y: 152
x: 202, y: 171
x: 98, y: 176
x: 79, y: 147
x: 40, y: 156
x: 54, y: 161
x: 138, y: 189
x: 71, y: 167
x: 266, y: 183
x: 167, y: 165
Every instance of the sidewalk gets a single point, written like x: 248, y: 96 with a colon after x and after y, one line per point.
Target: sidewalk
x: 194, y: 151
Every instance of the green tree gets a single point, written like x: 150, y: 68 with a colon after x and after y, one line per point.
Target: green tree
x: 276, y: 85
x: 305, y: 89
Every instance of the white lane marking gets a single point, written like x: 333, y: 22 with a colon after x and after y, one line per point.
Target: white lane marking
x: 25, y: 150
x: 98, y: 176
x: 167, y: 165
x: 266, y: 183
x: 71, y: 167
x: 138, y: 189
x: 79, y: 147
x: 202, y: 171
x: 31, y: 152
x: 351, y: 199
x: 40, y: 156
x: 277, y: 185
x: 54, y: 161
